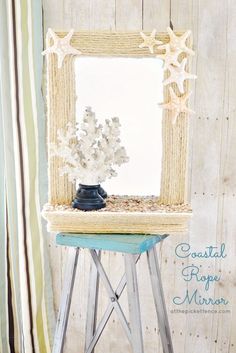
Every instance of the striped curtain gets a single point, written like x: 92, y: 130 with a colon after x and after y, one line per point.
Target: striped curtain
x: 26, y: 315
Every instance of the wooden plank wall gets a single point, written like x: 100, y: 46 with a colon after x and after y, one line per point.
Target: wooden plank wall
x: 212, y: 173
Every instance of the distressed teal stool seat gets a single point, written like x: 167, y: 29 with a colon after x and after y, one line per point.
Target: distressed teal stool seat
x: 132, y: 246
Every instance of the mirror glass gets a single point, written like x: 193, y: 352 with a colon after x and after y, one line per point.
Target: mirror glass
x: 128, y: 88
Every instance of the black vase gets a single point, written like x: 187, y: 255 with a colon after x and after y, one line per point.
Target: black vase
x: 102, y: 192
x: 88, y: 198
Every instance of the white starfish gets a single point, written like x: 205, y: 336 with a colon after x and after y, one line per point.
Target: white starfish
x: 178, y: 42
x: 179, y: 75
x: 149, y: 41
x: 169, y: 57
x: 177, y: 105
x: 61, y: 46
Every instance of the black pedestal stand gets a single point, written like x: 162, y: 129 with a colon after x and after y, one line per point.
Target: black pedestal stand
x: 89, y: 198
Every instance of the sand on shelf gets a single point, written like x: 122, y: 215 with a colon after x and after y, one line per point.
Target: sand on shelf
x: 127, y: 204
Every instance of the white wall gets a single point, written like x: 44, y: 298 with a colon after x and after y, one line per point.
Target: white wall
x: 212, y: 173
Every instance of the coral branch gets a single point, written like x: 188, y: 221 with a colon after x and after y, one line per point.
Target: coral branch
x: 90, y: 152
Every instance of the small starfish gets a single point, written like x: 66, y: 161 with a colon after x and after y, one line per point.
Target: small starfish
x: 170, y: 57
x: 61, y: 47
x: 177, y: 105
x: 149, y: 41
x: 178, y: 43
x: 179, y: 75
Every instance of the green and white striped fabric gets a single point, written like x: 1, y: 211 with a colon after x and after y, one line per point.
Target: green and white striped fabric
x: 26, y: 314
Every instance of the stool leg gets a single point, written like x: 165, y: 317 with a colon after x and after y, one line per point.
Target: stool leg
x: 159, y: 300
x: 62, y: 320
x: 92, y: 304
x: 134, y: 306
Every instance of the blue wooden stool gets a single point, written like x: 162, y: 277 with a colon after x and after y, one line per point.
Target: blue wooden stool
x: 132, y: 246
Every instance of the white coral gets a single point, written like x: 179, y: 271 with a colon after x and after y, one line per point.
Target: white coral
x: 90, y: 152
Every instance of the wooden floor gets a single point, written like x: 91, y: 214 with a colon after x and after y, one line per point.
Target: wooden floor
x: 212, y: 175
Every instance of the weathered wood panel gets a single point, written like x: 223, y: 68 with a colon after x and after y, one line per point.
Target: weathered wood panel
x: 212, y: 174
x: 207, y: 158
x: 128, y: 15
x: 156, y: 14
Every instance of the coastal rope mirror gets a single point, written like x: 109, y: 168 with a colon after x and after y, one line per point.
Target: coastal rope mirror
x: 71, y: 59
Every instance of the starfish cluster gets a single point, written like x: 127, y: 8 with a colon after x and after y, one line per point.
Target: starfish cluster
x: 177, y: 72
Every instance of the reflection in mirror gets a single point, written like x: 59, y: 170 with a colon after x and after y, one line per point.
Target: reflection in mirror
x: 130, y: 89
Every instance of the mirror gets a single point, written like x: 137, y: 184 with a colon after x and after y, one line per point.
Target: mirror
x: 129, y: 88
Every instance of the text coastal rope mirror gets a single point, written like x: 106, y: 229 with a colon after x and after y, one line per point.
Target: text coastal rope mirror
x: 172, y: 212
